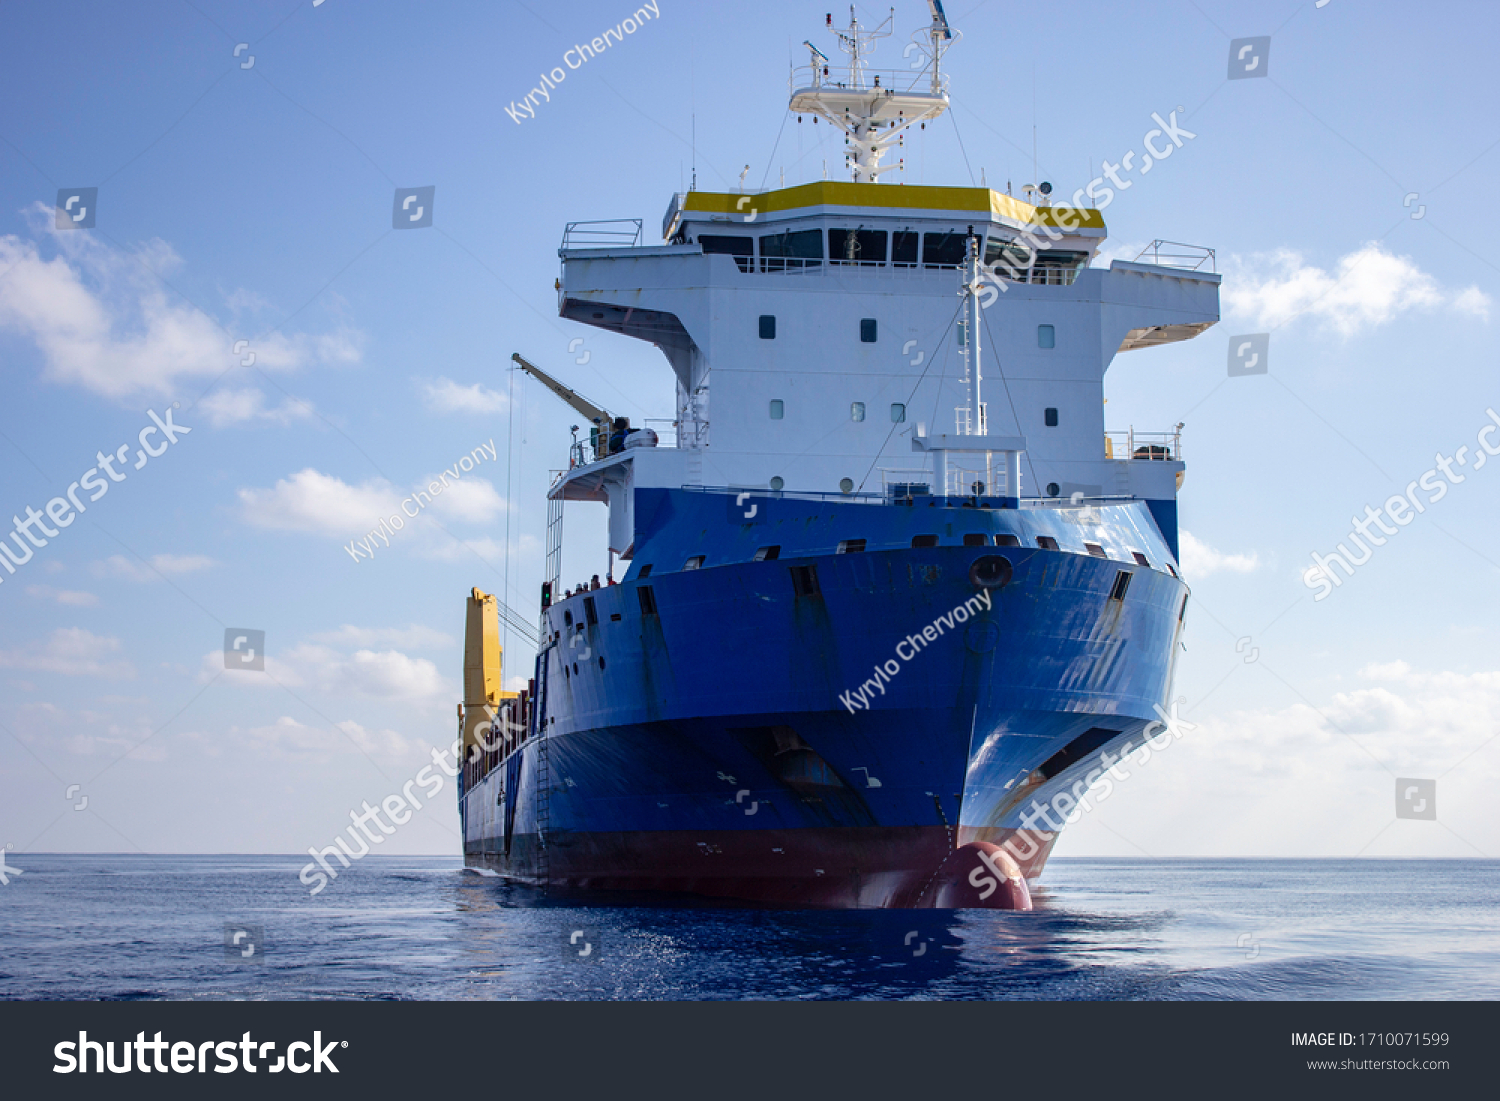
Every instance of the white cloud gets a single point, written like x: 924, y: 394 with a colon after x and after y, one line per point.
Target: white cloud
x: 470, y: 498
x: 105, y: 322
x: 414, y: 637
x: 74, y: 651
x: 1199, y: 559
x: 320, y: 503
x: 447, y: 396
x: 117, y: 565
x: 226, y: 406
x: 378, y: 674
x: 1367, y: 288
x: 72, y: 597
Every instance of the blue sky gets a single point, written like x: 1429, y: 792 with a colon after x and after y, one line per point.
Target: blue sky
x: 254, y: 203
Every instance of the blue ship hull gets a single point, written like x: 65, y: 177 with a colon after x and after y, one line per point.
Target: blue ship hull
x: 713, y: 735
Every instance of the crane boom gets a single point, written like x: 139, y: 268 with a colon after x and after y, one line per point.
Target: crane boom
x: 595, y: 414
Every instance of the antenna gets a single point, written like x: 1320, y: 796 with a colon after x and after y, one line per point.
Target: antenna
x: 695, y: 152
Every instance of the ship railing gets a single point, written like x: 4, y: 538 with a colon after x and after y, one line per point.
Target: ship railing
x: 666, y: 431
x: 606, y: 233
x: 1158, y: 447
x: 1077, y: 500
x: 793, y: 495
x: 1175, y: 254
x: 832, y: 77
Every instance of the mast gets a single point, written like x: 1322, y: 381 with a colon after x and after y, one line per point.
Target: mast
x: 874, y: 109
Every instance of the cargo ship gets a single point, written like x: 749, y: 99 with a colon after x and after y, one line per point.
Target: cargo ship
x: 887, y: 583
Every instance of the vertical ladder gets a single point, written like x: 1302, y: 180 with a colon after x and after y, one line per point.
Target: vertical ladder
x: 553, y: 569
x: 543, y: 772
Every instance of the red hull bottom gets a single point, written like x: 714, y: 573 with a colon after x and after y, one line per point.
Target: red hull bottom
x: 912, y: 867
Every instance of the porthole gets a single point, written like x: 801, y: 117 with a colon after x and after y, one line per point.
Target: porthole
x: 777, y: 483
x: 990, y: 571
x: 846, y: 485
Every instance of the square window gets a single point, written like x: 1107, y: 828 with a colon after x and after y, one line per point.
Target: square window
x: 694, y: 563
x: 768, y: 326
x: 924, y: 540
x: 645, y: 571
x: 867, y: 331
x: 778, y: 410
x: 1046, y: 336
x: 904, y: 248
x: 766, y: 554
x: 1050, y: 416
x: 850, y: 546
x: 1096, y: 550
x: 1046, y: 542
x: 976, y: 539
x: 898, y: 413
x: 1007, y: 541
x: 856, y: 410
x: 1140, y: 559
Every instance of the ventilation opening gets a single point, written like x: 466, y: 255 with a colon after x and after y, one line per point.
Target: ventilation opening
x: 694, y: 563
x: 766, y: 554
x: 647, y: 599
x: 805, y: 581
x: 976, y: 539
x: 614, y: 617
x: 1183, y: 610
x: 1095, y: 549
x: 1046, y: 542
x: 1140, y: 559
x: 924, y: 540
x: 1076, y: 750
x: 589, y: 613
x: 1007, y: 541
x: 1122, y: 582
x: 851, y: 546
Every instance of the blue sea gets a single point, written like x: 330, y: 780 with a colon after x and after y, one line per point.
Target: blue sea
x: 164, y: 927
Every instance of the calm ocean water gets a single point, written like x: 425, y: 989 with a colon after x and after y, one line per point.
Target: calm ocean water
x: 137, y: 927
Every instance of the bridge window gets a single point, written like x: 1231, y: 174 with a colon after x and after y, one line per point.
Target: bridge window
x: 898, y: 413
x: 943, y: 250
x: 904, y: 249
x: 1049, y: 415
x: 741, y: 248
x: 867, y: 330
x: 1046, y: 336
x: 768, y: 326
x: 789, y: 250
x: 856, y: 247
x: 778, y: 410
x: 856, y: 410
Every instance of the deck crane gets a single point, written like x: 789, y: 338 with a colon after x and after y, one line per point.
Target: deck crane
x: 601, y: 425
